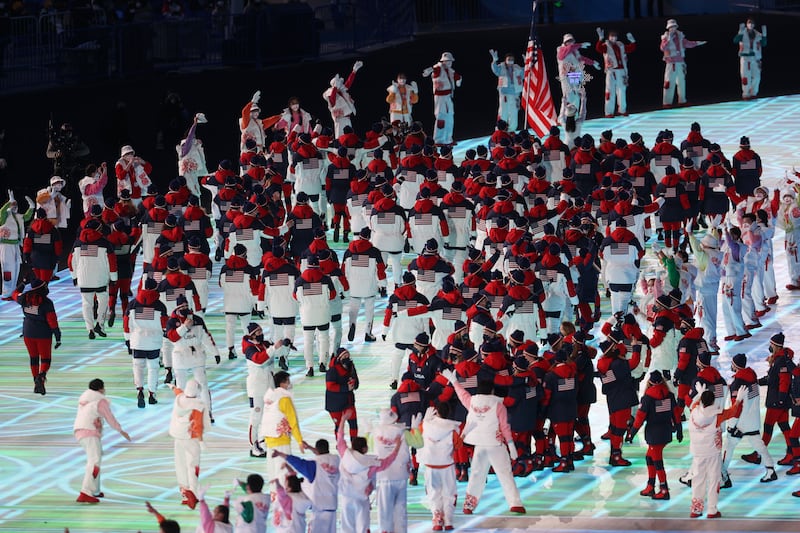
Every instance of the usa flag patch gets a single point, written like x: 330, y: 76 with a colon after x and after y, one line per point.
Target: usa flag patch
x: 608, y: 377
x: 42, y: 239
x: 410, y: 176
x: 524, y: 308
x: 244, y: 234
x: 234, y: 276
x: 341, y: 174
x: 172, y: 294
x: 280, y: 279
x: 620, y: 248
x: 312, y: 289
x: 88, y: 250
x: 199, y: 274
x: 451, y: 313
x: 422, y: 219
x: 663, y: 160
x: 359, y: 260
x: 664, y: 406
x: 428, y: 276
x: 566, y: 384
x: 386, y: 218
x: 457, y: 211
x: 144, y: 313
x: 192, y: 225
x: 303, y: 224
x: 410, y: 397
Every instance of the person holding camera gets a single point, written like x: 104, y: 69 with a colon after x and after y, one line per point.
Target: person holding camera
x: 67, y: 151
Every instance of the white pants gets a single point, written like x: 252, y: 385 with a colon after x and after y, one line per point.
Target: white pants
x: 323, y: 522
x: 398, y: 356
x: 707, y: 302
x: 355, y: 513
x: 753, y: 440
x: 187, y: 463
x: 369, y: 310
x: 91, y: 476
x: 508, y: 110
x: 441, y: 494
x: 256, y: 388
x: 87, y: 308
x: 276, y: 466
x: 616, y: 91
x: 620, y: 300
x: 732, y: 307
x: 10, y: 260
x: 199, y: 374
x: 457, y: 258
x: 335, y: 335
x: 166, y: 352
x: 339, y: 125
x: 443, y: 128
x: 750, y: 70
x: 497, y: 457
x: 674, y: 79
x: 393, y: 260
x: 748, y: 303
x: 392, y: 506
x: 757, y: 289
x: 230, y: 327
x: 768, y: 277
x: 139, y: 366
x: 323, y: 341
x: 402, y: 117
x: 705, y: 483
x: 792, y: 258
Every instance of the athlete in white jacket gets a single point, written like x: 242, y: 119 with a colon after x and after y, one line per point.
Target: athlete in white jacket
x: 93, y: 408
x: 439, y: 433
x: 190, y: 419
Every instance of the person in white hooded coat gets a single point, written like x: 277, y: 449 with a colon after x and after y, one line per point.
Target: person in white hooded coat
x: 392, y: 482
x: 487, y: 429
x: 357, y: 470
x: 192, y: 157
x: 93, y: 408
x: 190, y: 419
x: 439, y: 435
x: 339, y: 101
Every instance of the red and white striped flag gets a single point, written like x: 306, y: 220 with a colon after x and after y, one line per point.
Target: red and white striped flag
x: 540, y: 113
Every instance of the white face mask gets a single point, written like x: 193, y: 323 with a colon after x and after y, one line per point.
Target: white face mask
x: 401, y: 81
x: 294, y: 107
x: 509, y: 62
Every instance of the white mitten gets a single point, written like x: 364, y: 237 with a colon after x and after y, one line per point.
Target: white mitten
x: 256, y: 97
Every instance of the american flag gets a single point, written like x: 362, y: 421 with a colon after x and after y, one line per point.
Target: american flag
x: 663, y: 406
x: 428, y: 276
x: 411, y: 176
x: 144, y: 313
x: 620, y: 248
x: 719, y: 390
x: 386, y: 218
x: 566, y: 384
x: 200, y: 274
x: 42, y: 239
x: 410, y: 397
x: 422, y: 219
x: 234, y: 276
x: 31, y: 309
x: 341, y: 174
x: 172, y: 294
x: 244, y: 234
x: 280, y: 279
x: 452, y: 313
x: 154, y: 228
x: 191, y: 225
x: 468, y: 383
x: 752, y: 391
x: 540, y: 113
x: 303, y: 224
x: 88, y: 250
x: 530, y: 393
x: 523, y: 308
x: 608, y: 377
x: 312, y: 289
x: 359, y: 260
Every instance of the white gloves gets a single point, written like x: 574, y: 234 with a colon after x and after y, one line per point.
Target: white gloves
x: 586, y: 45
x: 512, y: 451
x: 414, y: 87
x: 427, y: 72
x: 700, y: 388
x: 30, y: 201
x: 357, y: 65
x: 741, y: 394
x: 236, y: 483
x: 201, y: 493
x: 449, y: 375
x: 493, y: 53
x: 227, y: 495
x: 764, y: 30
x: 416, y: 420
x: 596, y: 65
x: 629, y: 35
x: 600, y: 33
x: 256, y: 97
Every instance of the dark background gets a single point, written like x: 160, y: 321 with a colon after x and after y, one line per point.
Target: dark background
x: 96, y: 114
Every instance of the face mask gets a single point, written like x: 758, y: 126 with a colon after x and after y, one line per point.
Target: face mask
x: 487, y: 337
x: 260, y: 338
x: 509, y: 62
x: 401, y: 81
x: 295, y: 107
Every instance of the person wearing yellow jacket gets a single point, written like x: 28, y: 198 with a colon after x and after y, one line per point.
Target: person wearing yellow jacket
x: 279, y: 424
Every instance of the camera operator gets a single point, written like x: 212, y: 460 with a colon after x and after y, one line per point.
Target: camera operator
x: 67, y: 151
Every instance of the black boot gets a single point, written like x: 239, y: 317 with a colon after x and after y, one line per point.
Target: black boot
x: 231, y: 353
x: 336, y: 233
x: 168, y: 377
x: 140, y: 399
x: 412, y: 477
x: 346, y: 236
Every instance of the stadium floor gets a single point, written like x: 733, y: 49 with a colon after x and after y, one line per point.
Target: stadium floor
x: 42, y: 465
